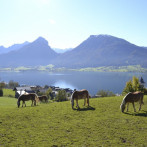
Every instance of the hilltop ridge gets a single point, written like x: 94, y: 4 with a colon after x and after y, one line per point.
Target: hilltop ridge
x: 95, y: 51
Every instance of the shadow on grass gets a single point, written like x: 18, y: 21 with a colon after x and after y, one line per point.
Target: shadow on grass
x: 143, y: 113
x: 28, y: 106
x: 85, y: 109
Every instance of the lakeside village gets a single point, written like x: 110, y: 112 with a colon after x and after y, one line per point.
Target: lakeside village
x: 52, y: 92
x: 64, y: 94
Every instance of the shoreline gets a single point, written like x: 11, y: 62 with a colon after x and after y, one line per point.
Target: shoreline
x: 130, y: 68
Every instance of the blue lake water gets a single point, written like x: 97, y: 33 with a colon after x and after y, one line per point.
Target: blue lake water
x: 92, y: 81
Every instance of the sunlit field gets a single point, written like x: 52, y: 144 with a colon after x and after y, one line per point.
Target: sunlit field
x: 56, y: 124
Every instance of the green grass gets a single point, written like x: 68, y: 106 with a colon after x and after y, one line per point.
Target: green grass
x: 8, y: 93
x: 56, y: 124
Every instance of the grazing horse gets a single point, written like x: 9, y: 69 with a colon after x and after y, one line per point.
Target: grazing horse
x: 26, y: 97
x: 43, y: 98
x: 82, y: 94
x: 132, y: 97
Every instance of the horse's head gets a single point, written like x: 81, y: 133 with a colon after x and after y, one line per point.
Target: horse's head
x: 18, y: 103
x: 122, y: 107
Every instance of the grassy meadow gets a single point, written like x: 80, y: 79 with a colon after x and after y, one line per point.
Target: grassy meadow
x: 56, y: 124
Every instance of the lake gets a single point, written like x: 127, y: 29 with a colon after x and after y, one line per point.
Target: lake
x: 92, y: 81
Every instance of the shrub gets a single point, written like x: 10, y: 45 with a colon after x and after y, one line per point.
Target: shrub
x: 104, y: 93
x: 1, y: 92
x: 61, y: 96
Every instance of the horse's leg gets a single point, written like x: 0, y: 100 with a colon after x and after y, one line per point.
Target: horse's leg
x: 32, y: 103
x: 127, y: 107
x: 84, y: 101
x: 22, y: 103
x: 77, y: 103
x: 88, y: 101
x: 134, y: 106
x: 140, y: 105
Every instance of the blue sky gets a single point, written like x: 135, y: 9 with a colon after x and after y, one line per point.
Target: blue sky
x: 66, y: 23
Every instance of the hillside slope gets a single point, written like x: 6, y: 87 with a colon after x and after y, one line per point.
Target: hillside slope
x: 14, y: 47
x: 103, y: 50
x: 56, y: 124
x: 33, y: 54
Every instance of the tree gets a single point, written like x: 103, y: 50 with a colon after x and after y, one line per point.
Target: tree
x: 49, y: 94
x: 13, y: 84
x: 133, y: 85
x: 2, y: 85
x: 128, y: 88
x: 1, y: 92
x: 142, y: 84
x: 61, y: 96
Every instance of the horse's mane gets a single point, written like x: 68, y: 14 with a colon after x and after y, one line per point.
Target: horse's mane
x: 123, y: 101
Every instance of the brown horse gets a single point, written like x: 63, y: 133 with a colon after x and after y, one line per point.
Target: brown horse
x: 82, y: 94
x: 26, y: 97
x: 43, y: 98
x: 132, y: 97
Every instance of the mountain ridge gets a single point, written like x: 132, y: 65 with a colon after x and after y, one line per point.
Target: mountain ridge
x: 36, y: 53
x: 101, y: 50
x: 95, y: 51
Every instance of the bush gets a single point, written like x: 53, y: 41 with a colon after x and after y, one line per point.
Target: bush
x: 49, y: 94
x: 1, y: 92
x: 104, y: 93
x: 61, y: 96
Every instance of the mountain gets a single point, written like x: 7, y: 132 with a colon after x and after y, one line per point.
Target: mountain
x: 95, y: 51
x: 33, y: 54
x: 2, y: 49
x: 12, y: 48
x: 103, y: 50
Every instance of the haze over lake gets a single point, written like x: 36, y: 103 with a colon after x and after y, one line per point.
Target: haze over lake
x: 92, y: 81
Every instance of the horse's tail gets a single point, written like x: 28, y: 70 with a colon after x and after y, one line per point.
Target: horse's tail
x: 36, y: 100
x: 88, y: 99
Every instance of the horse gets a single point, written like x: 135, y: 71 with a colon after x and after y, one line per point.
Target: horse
x: 26, y: 97
x: 132, y: 97
x: 43, y: 98
x: 82, y: 94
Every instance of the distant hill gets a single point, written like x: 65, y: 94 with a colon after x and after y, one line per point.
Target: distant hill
x: 12, y: 48
x: 95, y: 51
x: 33, y: 54
x: 103, y: 50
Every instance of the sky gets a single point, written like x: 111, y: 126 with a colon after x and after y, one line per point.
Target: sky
x: 67, y: 23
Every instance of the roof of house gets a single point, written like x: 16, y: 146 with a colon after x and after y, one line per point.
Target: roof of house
x: 22, y: 88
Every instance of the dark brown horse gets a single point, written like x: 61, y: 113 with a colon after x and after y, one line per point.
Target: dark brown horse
x: 43, y: 98
x: 82, y: 94
x: 26, y: 97
x: 132, y: 97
